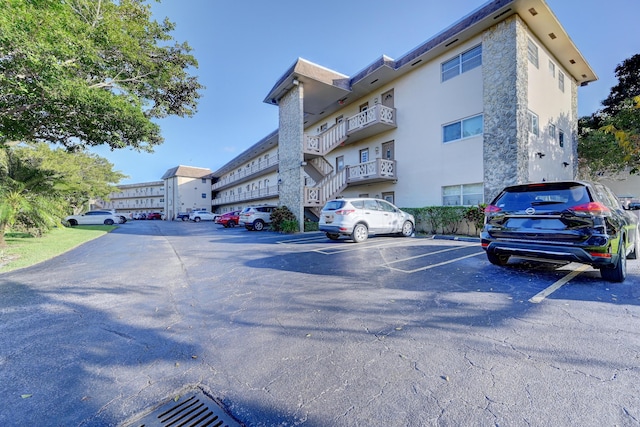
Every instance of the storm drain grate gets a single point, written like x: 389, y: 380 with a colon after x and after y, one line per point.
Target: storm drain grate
x: 194, y: 410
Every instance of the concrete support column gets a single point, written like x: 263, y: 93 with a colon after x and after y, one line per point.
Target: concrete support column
x: 290, y: 144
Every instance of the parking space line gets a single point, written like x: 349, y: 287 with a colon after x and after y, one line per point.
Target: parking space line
x: 427, y: 254
x: 309, y: 239
x: 434, y: 265
x: 540, y: 296
x: 355, y: 247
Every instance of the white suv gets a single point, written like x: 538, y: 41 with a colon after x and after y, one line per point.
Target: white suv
x: 357, y: 218
x: 256, y: 217
x: 198, y: 216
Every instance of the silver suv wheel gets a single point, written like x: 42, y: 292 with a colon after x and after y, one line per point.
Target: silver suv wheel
x: 360, y: 233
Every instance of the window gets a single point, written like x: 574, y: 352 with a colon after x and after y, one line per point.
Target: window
x: 552, y: 69
x: 462, y: 195
x: 462, y: 63
x: 204, y: 180
x: 339, y: 163
x: 532, y: 123
x: 561, y: 81
x: 552, y: 131
x: 364, y: 155
x: 364, y: 107
x: 532, y: 52
x: 462, y: 129
x: 561, y: 138
x: 389, y: 197
x: 204, y: 195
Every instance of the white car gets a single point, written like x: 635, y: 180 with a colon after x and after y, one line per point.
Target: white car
x: 198, y: 216
x: 359, y: 217
x: 94, y: 218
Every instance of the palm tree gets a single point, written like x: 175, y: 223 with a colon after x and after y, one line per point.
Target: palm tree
x: 27, y: 196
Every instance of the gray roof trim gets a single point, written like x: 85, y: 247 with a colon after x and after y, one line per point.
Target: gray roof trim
x: 256, y: 149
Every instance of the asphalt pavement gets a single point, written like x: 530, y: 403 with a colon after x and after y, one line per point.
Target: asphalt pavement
x: 297, y: 330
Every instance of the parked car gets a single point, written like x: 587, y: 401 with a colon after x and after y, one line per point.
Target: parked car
x: 229, y: 219
x: 256, y: 217
x: 563, y: 221
x: 140, y: 215
x: 183, y: 216
x: 154, y: 215
x: 94, y: 218
x: 202, y: 215
x: 360, y: 217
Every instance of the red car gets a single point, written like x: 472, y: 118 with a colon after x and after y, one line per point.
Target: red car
x: 230, y: 219
x: 154, y: 215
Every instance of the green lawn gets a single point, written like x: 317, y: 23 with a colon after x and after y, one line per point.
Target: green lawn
x: 23, y: 250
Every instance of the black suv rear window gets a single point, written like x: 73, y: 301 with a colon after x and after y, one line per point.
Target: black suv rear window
x: 556, y: 197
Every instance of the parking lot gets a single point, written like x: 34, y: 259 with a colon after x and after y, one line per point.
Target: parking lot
x: 296, y: 329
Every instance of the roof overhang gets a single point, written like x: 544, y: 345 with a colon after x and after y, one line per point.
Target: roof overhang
x: 326, y: 91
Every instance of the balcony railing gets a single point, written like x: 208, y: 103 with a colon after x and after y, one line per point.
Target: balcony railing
x: 377, y: 170
x: 259, y: 193
x: 247, y: 172
x: 376, y: 119
x: 329, y: 187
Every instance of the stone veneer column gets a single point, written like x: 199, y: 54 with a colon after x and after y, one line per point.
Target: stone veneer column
x: 504, y: 69
x: 290, y: 157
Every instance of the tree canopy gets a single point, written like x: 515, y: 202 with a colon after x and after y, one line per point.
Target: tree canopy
x: 609, y: 139
x: 82, y: 73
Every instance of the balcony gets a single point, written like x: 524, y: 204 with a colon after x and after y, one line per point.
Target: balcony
x: 374, y: 120
x: 378, y: 170
x: 246, y: 196
x: 247, y: 173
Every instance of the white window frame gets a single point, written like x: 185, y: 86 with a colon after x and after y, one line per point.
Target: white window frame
x: 552, y: 69
x: 533, y: 123
x: 464, y: 133
x: 561, y: 81
x: 467, y: 60
x: 457, y: 195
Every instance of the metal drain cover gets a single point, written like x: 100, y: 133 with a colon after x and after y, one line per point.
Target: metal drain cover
x: 191, y: 410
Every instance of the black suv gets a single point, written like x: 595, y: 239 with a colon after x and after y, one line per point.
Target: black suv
x: 566, y: 221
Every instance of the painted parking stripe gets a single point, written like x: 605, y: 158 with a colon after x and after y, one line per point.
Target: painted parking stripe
x: 350, y: 247
x: 455, y: 248
x: 540, y: 296
x: 427, y: 267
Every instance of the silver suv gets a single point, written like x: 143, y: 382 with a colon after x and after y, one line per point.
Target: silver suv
x: 357, y: 218
x: 256, y: 217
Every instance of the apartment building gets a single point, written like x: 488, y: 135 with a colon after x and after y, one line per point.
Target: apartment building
x: 489, y: 101
x: 145, y: 197
x: 187, y: 188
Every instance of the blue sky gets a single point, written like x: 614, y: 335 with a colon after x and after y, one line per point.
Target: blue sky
x: 244, y: 46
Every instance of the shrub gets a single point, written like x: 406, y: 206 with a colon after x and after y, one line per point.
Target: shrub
x: 311, y: 226
x: 282, y: 217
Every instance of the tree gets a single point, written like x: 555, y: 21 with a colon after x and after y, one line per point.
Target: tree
x: 27, y: 196
x: 39, y: 186
x: 85, y: 73
x: 79, y: 177
x: 609, y: 139
x: 628, y: 87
